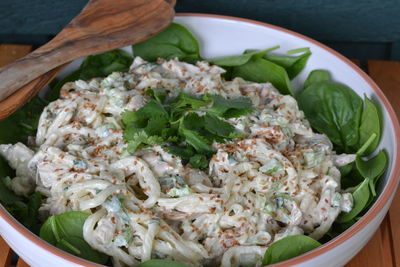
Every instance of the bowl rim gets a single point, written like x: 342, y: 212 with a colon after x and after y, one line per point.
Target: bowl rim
x: 386, y: 195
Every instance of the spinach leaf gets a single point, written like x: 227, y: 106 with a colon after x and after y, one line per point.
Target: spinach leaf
x: 174, y: 41
x: 366, y: 145
x: 289, y: 247
x: 94, y: 66
x: 261, y: 70
x: 346, y: 169
x: 317, y: 76
x: 366, y: 173
x: 32, y: 221
x: 336, y: 229
x: 65, y: 231
x: 104, y: 64
x: 22, y: 123
x: 361, y: 196
x: 71, y: 223
x: 25, y: 210
x: 370, y: 124
x: 374, y: 167
x: 238, y: 60
x: 293, y: 64
x: 352, y: 179
x: 164, y: 263
x: 5, y: 169
x: 77, y: 246
x: 333, y: 109
x: 65, y: 224
x: 7, y: 197
x: 49, y: 232
x: 18, y: 210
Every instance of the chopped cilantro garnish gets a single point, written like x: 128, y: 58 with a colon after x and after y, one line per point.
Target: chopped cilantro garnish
x: 199, y: 161
x: 186, y: 125
x: 217, y: 126
x: 141, y: 139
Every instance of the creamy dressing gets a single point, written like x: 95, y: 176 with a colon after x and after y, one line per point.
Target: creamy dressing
x: 281, y: 179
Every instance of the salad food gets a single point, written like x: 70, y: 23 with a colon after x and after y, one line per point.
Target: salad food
x: 208, y: 164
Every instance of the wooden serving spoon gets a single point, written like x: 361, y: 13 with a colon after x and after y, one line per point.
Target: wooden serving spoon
x: 101, y: 26
x: 24, y: 94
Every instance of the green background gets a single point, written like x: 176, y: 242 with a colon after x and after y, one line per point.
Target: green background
x: 364, y: 29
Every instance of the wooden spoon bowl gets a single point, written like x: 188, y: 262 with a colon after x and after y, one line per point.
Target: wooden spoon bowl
x: 101, y: 26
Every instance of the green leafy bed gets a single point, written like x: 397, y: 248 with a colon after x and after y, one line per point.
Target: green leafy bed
x: 353, y: 125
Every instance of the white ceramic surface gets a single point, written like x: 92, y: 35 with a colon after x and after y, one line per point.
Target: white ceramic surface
x: 220, y: 36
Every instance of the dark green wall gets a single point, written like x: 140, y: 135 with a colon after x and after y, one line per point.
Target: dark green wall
x: 365, y: 29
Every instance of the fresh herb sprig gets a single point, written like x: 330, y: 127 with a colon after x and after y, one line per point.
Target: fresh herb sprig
x: 186, y: 125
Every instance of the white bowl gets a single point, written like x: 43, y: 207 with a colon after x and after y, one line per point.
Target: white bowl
x: 220, y: 36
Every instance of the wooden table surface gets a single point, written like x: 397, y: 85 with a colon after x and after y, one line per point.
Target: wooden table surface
x: 384, y: 248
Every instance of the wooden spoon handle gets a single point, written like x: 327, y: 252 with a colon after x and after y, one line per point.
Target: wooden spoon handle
x: 22, y: 71
x: 24, y: 94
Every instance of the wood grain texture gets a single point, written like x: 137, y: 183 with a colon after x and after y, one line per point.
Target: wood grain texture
x: 387, y: 242
x: 5, y: 253
x: 10, y: 52
x: 21, y: 263
x: 101, y: 26
x: 378, y: 251
x: 394, y: 220
x: 387, y: 75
